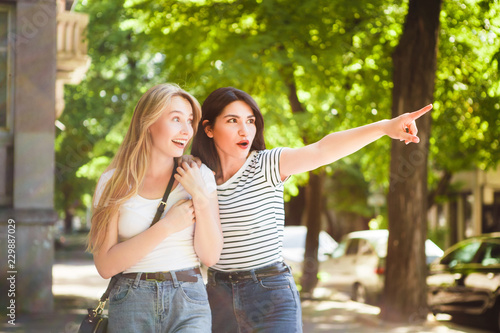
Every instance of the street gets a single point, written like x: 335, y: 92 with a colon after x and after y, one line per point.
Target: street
x: 77, y: 285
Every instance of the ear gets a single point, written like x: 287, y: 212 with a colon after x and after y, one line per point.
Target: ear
x: 207, y: 128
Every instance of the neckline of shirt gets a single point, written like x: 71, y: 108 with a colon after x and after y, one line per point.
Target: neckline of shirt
x: 239, y: 172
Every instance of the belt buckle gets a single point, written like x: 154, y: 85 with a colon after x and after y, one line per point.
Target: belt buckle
x: 163, y: 276
x: 233, y: 277
x: 159, y: 277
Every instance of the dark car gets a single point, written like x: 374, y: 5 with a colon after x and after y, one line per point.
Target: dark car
x: 466, y: 280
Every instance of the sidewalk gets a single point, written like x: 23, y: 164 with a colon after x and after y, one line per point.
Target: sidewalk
x: 77, y: 286
x: 339, y: 314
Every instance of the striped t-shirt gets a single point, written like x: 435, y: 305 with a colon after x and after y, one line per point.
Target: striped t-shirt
x: 252, y: 213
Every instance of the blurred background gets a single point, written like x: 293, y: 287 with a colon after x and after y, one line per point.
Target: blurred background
x: 71, y: 73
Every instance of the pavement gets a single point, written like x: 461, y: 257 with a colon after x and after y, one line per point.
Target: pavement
x: 77, y: 286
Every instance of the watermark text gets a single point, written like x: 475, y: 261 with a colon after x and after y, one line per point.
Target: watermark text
x: 11, y: 271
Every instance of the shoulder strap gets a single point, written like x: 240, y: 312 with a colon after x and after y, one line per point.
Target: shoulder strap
x: 112, y: 282
x: 163, y: 202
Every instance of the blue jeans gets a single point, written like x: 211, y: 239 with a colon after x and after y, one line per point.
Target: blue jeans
x: 269, y: 304
x: 152, y: 306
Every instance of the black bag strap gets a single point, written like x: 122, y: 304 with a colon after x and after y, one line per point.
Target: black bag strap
x: 159, y: 211
x: 163, y: 202
x: 111, y: 284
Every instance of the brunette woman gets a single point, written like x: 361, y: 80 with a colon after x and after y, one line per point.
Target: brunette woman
x: 251, y: 289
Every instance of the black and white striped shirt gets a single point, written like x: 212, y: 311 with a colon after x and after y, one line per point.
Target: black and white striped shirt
x: 252, y: 213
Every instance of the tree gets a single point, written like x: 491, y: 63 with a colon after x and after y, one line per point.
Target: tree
x: 405, y: 297
x: 314, y: 66
x: 116, y: 78
x: 307, y: 64
x: 467, y: 96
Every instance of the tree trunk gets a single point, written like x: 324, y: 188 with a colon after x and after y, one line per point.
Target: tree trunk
x: 295, y: 208
x: 333, y: 227
x: 441, y: 188
x: 314, y: 194
x: 452, y: 223
x: 313, y: 200
x: 405, y: 294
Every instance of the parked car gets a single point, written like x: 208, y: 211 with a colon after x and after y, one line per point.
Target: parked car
x: 294, y: 244
x: 357, y: 265
x: 466, y: 280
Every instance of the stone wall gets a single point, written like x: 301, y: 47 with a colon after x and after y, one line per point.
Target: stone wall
x: 32, y: 211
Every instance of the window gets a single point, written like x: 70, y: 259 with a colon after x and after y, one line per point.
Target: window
x: 6, y: 107
x: 465, y: 254
x: 352, y: 247
x: 491, y: 254
x: 366, y: 248
x: 340, y: 250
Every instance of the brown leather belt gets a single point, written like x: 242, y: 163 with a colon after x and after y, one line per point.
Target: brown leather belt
x: 237, y: 276
x: 189, y: 275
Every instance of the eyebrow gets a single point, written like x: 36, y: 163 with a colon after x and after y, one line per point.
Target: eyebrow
x: 236, y: 116
x: 178, y: 111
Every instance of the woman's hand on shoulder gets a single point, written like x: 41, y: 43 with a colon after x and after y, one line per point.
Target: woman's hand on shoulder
x: 189, y: 159
x: 189, y: 176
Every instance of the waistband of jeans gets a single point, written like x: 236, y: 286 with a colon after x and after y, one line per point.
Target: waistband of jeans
x: 188, y: 275
x: 258, y: 273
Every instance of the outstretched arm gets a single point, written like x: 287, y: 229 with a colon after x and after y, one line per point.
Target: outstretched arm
x: 340, y: 144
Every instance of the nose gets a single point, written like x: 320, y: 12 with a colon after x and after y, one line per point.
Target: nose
x: 243, y: 130
x: 186, y: 126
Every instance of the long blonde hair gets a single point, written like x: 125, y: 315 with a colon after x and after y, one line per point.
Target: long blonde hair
x: 132, y: 158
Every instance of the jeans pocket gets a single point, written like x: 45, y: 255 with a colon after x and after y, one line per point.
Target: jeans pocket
x: 279, y: 281
x: 194, y: 292
x: 120, y: 294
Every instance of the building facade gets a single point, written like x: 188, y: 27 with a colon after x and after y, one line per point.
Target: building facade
x: 473, y: 209
x: 29, y: 73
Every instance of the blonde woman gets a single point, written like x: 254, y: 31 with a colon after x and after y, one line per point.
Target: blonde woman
x: 160, y: 288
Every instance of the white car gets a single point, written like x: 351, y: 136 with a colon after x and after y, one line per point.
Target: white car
x: 294, y: 244
x: 357, y: 265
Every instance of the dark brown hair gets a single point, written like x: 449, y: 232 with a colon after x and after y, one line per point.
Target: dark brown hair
x: 203, y: 146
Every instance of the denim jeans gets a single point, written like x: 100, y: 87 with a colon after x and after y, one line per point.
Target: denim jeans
x: 270, y: 304
x: 152, y: 306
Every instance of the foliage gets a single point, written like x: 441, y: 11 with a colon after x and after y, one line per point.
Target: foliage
x: 466, y: 128
x: 348, y: 191
x: 336, y: 53
x: 121, y: 69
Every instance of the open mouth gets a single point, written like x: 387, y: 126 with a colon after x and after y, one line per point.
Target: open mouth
x: 244, y: 144
x: 180, y: 143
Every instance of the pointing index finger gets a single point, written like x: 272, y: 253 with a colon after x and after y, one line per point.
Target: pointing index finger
x: 421, y: 112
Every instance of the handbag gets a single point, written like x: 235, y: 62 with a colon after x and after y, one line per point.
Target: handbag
x: 96, y: 321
